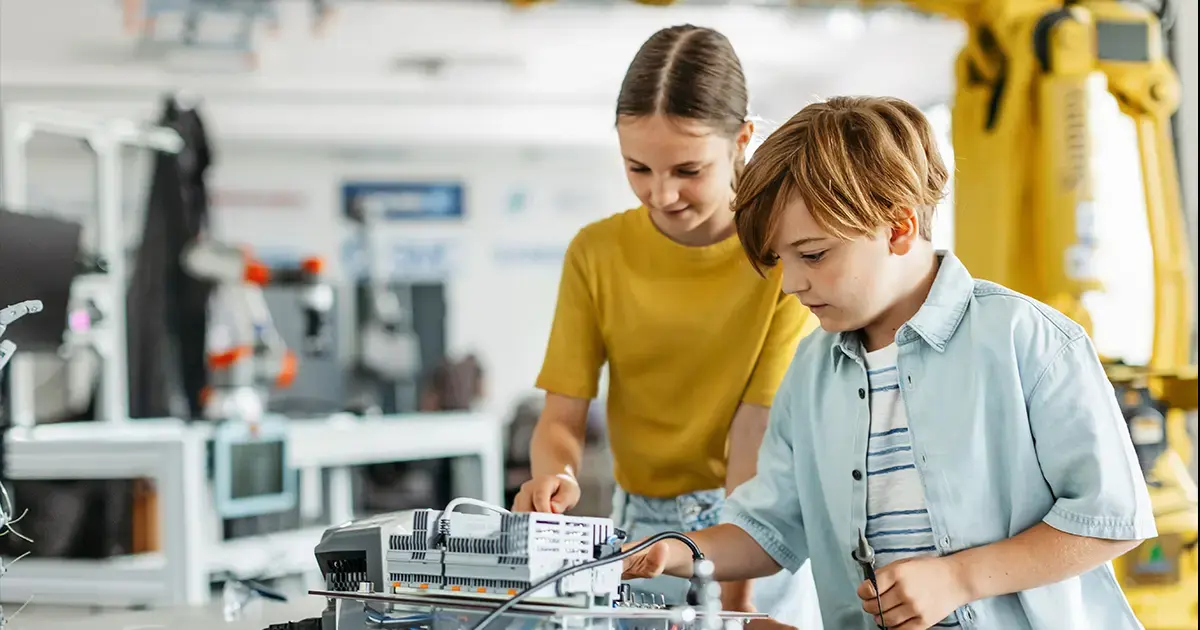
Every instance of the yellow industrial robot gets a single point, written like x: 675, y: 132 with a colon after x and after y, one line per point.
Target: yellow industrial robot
x: 1023, y: 201
x: 1025, y: 219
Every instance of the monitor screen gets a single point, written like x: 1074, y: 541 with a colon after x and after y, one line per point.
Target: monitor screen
x: 256, y: 469
x: 251, y: 474
x: 37, y: 262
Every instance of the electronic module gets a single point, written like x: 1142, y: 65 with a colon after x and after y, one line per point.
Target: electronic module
x: 493, y: 554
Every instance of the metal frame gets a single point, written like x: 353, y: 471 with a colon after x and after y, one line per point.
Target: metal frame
x: 172, y: 453
x: 107, y: 138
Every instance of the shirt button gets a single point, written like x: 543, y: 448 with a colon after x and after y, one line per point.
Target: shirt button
x: 862, y: 393
x: 946, y: 543
x: 857, y: 474
x: 970, y: 614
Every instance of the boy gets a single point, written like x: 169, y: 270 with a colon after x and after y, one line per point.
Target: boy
x: 968, y: 431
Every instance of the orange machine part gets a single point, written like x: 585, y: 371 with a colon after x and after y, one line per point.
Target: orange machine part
x: 312, y: 265
x: 222, y: 360
x: 287, y: 371
x: 257, y: 272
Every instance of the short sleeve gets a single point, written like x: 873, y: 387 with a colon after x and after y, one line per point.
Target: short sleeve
x: 1085, y: 452
x: 767, y: 507
x: 575, y: 352
x: 790, y: 323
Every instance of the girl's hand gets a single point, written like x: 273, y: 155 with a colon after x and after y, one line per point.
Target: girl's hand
x: 552, y: 494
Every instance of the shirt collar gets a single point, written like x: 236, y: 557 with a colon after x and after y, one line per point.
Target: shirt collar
x: 939, y: 316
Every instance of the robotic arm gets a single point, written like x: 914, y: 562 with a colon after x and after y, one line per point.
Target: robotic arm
x: 255, y: 357
x: 9, y: 315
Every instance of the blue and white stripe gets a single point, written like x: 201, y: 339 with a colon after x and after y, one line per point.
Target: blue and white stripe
x: 898, y: 524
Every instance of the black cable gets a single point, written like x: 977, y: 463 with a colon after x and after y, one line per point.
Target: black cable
x: 591, y: 564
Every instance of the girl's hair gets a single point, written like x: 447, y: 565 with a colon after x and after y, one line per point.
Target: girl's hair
x: 687, y: 72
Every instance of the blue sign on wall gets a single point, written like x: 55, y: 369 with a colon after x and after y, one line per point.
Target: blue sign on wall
x: 403, y: 201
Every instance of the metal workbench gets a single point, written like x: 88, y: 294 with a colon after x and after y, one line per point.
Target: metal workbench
x: 363, y: 611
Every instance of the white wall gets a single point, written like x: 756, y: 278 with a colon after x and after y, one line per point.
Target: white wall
x: 562, y: 59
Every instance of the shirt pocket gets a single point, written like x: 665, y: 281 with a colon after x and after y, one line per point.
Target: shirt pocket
x: 945, y: 414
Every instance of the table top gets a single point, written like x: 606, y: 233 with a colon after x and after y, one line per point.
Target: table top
x: 371, y: 611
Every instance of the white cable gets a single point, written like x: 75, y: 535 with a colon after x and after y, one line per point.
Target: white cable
x: 475, y: 502
x: 467, y: 501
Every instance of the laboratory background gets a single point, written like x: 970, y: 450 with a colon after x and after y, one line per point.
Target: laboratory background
x: 270, y: 269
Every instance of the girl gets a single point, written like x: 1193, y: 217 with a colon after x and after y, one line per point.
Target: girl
x: 696, y: 342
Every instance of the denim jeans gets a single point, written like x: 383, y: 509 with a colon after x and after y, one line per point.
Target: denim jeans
x: 787, y: 598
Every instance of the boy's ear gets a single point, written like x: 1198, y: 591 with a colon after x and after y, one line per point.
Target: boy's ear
x: 905, y: 233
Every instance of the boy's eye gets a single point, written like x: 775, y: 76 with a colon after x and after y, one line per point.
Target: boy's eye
x: 688, y: 172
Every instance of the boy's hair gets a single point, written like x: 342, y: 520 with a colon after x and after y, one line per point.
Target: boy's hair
x: 859, y: 163
x: 687, y: 72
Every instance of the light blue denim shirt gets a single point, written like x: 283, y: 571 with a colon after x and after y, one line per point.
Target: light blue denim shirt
x: 1012, y: 422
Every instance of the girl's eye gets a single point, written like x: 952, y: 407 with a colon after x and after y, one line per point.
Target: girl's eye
x: 815, y: 257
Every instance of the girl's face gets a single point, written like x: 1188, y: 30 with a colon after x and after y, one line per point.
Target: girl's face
x: 682, y: 171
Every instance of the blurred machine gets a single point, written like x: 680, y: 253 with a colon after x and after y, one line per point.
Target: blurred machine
x: 1022, y: 102
x: 253, y: 358
x: 389, y: 350
x: 251, y: 473
x: 142, y: 18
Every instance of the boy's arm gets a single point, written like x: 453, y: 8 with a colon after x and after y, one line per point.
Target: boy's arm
x: 923, y: 591
x: 790, y: 322
x: 1101, y: 508
x: 1036, y: 557
x: 734, y: 554
x: 763, y: 530
x: 766, y: 508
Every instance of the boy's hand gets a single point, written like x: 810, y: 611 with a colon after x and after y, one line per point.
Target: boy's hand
x: 550, y: 494
x: 648, y: 563
x: 916, y: 593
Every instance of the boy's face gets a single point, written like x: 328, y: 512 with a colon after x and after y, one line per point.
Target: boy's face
x: 847, y: 284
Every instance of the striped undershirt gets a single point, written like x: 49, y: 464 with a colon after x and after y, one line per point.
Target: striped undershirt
x: 898, y: 523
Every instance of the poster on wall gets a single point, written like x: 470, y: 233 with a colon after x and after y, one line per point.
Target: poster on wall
x: 403, y: 201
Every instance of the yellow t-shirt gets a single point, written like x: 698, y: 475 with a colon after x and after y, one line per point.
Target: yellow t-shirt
x: 689, y: 333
